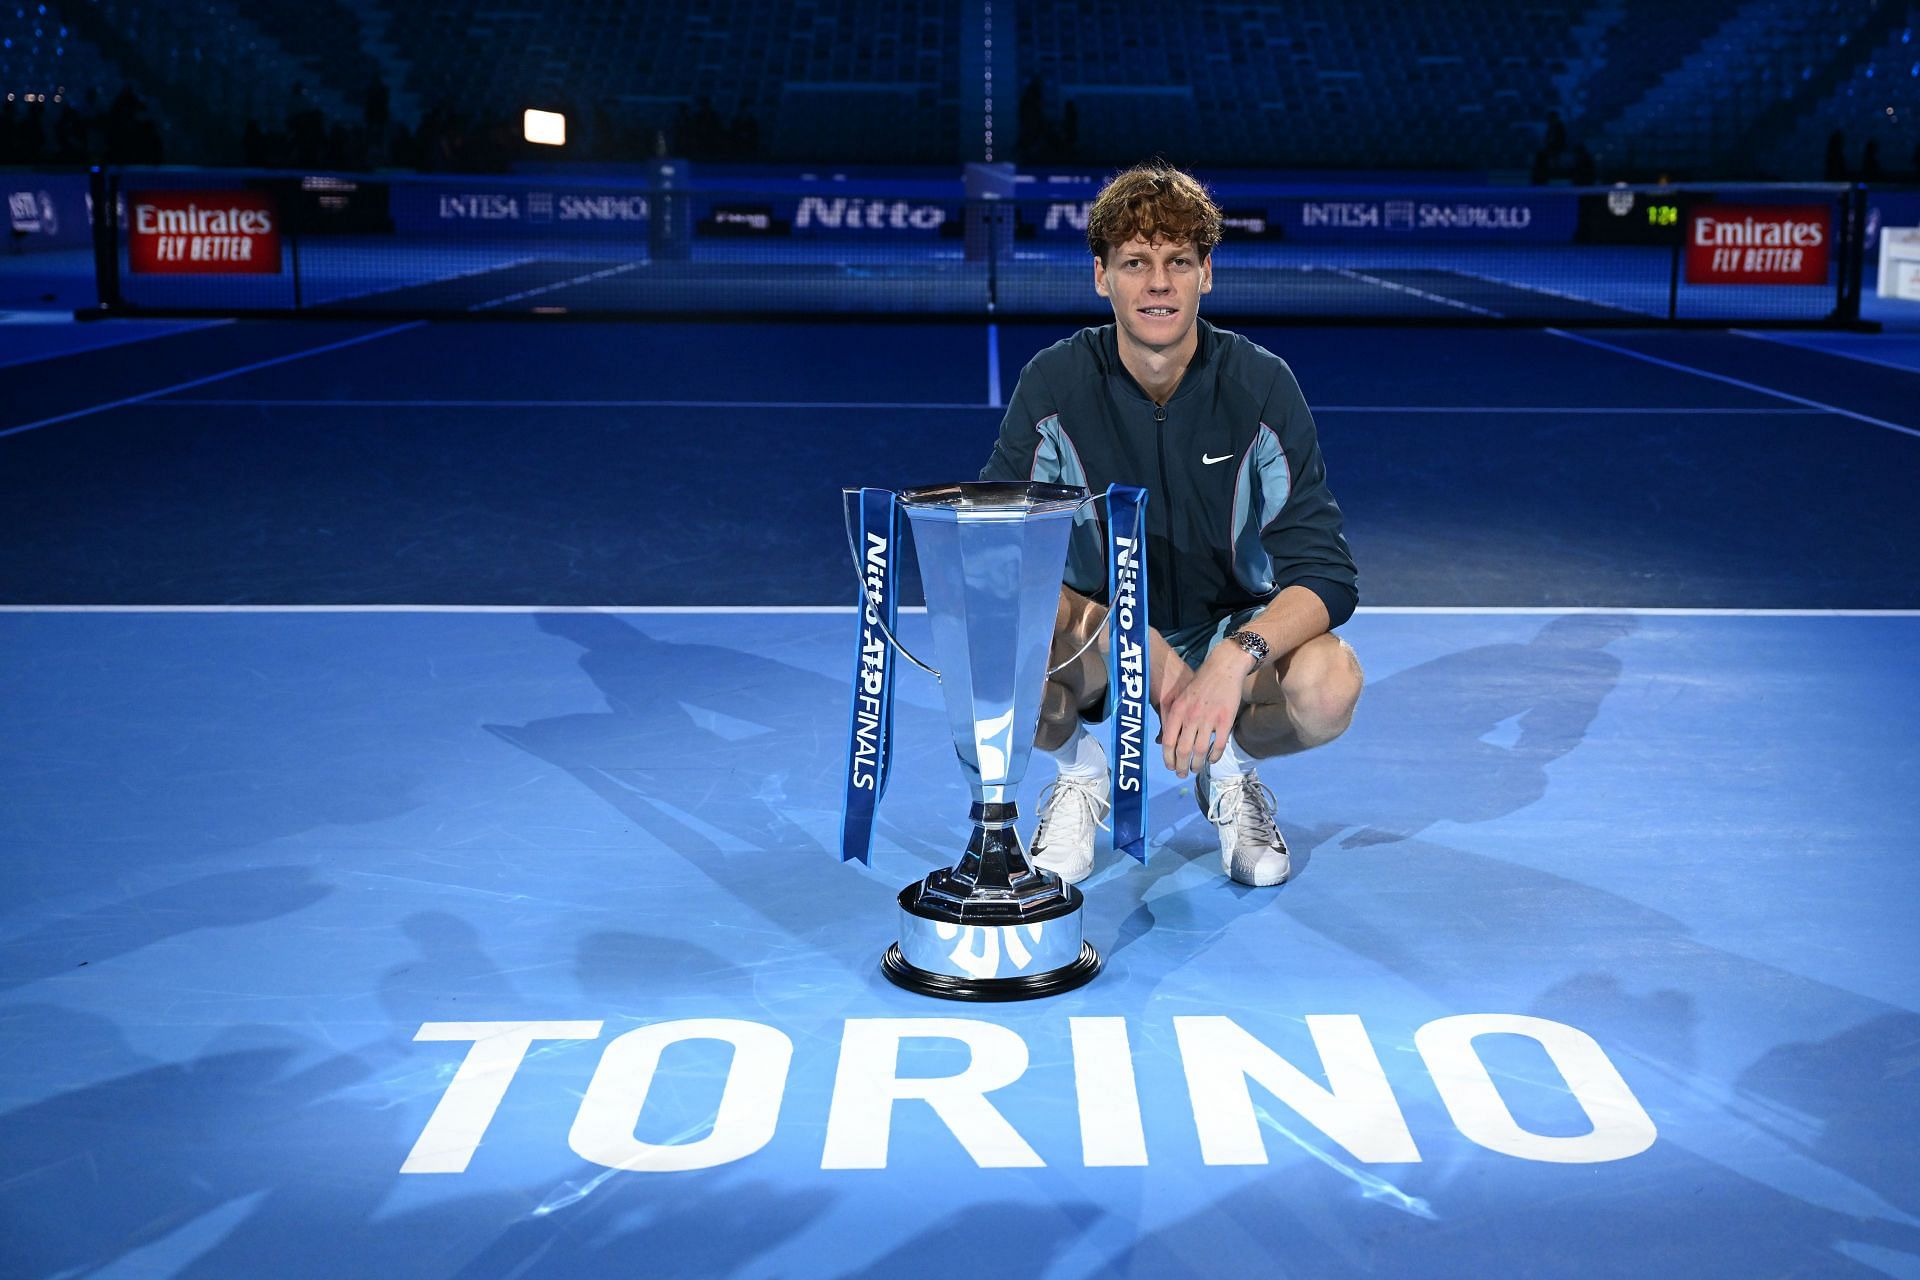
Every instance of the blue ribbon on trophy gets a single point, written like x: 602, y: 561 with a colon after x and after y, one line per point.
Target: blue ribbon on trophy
x: 1127, y: 664
x: 870, y: 731
x: 875, y: 540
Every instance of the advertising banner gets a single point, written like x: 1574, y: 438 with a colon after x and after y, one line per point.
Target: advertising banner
x: 491, y: 209
x: 1438, y: 217
x: 1887, y: 208
x: 828, y: 216
x: 203, y: 233
x: 1364, y: 218
x: 1759, y: 244
x: 46, y: 210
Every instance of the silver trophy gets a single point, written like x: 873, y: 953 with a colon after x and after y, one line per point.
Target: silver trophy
x: 993, y: 926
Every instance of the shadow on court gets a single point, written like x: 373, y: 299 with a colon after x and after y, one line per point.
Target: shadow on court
x: 1468, y: 737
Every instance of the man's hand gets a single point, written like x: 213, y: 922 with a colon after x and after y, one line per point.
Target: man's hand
x: 1197, y: 713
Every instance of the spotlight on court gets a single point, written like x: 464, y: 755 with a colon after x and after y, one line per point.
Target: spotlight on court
x: 549, y: 128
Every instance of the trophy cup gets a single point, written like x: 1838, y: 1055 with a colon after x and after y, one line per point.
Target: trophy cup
x: 991, y: 555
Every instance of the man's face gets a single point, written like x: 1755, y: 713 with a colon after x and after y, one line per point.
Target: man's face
x: 1155, y: 289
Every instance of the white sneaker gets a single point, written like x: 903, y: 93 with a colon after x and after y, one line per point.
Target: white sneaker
x: 1071, y: 810
x: 1252, y: 850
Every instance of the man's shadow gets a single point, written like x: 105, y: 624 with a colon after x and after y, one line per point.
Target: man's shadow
x: 1468, y: 737
x: 727, y: 758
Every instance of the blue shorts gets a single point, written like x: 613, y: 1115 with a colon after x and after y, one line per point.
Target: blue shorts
x: 1194, y: 643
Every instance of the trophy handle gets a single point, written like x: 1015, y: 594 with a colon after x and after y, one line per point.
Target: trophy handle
x: 1092, y: 639
x: 847, y: 498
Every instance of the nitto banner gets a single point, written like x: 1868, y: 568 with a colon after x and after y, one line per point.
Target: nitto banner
x: 1758, y: 244
x: 828, y: 216
x: 203, y: 233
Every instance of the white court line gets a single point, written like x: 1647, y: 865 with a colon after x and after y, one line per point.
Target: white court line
x: 178, y: 327
x: 558, y: 284
x: 1549, y: 292
x: 1827, y: 351
x: 1363, y: 277
x: 583, y: 404
x: 925, y: 404
x: 486, y: 269
x: 1736, y: 382
x: 1434, y: 610
x: 1542, y: 409
x: 212, y: 377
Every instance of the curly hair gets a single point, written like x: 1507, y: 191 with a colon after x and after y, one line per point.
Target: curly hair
x: 1155, y: 202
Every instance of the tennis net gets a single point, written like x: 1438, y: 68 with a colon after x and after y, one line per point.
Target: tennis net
x: 656, y: 244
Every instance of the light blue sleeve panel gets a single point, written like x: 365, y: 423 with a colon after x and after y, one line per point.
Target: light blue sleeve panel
x: 1259, y: 495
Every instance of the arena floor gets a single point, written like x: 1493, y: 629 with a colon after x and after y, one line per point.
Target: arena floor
x: 421, y: 789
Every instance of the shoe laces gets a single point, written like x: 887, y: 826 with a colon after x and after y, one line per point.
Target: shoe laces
x: 1085, y: 790
x: 1249, y: 805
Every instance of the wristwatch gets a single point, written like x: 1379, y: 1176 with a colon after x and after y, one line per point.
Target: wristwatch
x: 1250, y: 641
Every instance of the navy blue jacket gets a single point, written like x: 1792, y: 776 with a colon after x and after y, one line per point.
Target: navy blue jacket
x: 1237, y: 507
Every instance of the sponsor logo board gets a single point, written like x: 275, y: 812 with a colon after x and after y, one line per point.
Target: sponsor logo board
x: 32, y: 213
x: 519, y: 210
x: 843, y: 215
x: 1362, y: 218
x: 1759, y: 244
x: 203, y: 233
x: 1429, y: 218
x: 737, y: 219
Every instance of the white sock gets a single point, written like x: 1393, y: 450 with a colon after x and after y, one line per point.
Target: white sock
x: 1081, y: 755
x: 1233, y: 760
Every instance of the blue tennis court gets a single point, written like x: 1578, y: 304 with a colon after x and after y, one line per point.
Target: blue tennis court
x: 421, y: 797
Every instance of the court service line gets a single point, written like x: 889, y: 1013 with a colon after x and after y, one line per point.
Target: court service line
x: 466, y: 274
x: 1735, y: 382
x: 558, y: 284
x: 1547, y: 291
x: 584, y: 404
x: 847, y: 610
x: 212, y: 377
x: 176, y: 327
x: 1384, y: 283
x: 1895, y: 365
x: 933, y: 404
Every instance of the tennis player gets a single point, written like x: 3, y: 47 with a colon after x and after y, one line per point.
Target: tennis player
x: 1247, y: 570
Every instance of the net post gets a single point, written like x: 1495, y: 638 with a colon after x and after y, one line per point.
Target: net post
x: 104, y: 191
x: 1673, y: 269
x: 1853, y: 262
x: 292, y: 221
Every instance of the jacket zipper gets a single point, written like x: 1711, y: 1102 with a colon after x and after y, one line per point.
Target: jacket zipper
x: 1160, y: 443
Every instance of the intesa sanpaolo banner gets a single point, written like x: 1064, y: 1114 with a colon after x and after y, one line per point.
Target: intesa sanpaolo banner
x: 1759, y: 244
x: 515, y: 209
x: 203, y: 233
x: 1449, y: 217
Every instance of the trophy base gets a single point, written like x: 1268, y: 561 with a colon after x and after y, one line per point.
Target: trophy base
x: 1023, y: 987
x: 994, y: 927
x: 1012, y: 945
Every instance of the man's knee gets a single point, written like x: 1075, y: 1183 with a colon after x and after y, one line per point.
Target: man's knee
x: 1322, y: 685
x: 1079, y: 688
x: 1302, y: 700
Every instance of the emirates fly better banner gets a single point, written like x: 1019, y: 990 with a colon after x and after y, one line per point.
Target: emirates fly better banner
x: 1758, y: 244
x: 203, y: 233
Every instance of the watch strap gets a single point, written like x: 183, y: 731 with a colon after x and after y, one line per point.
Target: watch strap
x: 1253, y: 643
